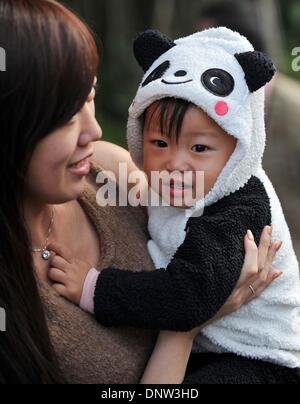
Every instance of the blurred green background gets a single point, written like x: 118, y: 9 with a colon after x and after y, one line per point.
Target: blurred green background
x: 117, y: 23
x: 273, y: 26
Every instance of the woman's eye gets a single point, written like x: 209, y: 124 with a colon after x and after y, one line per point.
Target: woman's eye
x: 199, y: 148
x: 160, y: 143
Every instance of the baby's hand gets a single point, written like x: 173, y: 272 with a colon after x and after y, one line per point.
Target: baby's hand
x: 67, y: 273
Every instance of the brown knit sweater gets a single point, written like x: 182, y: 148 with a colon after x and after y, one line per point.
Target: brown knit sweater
x: 88, y: 352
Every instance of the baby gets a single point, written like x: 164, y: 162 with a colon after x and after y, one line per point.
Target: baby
x: 200, y: 107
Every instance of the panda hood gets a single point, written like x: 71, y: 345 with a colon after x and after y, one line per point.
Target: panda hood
x: 218, y: 71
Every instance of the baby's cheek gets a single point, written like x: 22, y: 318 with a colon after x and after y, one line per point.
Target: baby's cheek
x: 221, y: 108
x: 211, y: 174
x: 208, y: 183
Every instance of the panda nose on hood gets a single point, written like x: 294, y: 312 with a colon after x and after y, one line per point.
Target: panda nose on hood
x: 175, y: 80
x: 179, y: 77
x: 180, y: 73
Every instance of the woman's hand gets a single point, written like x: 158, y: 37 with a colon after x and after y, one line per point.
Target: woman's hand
x: 257, y: 274
x: 168, y: 362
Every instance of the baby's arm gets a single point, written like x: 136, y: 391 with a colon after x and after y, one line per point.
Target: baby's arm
x: 197, y: 282
x: 199, y: 279
x: 69, y: 275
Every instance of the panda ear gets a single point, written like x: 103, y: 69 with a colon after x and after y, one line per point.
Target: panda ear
x: 149, y: 46
x: 258, y: 68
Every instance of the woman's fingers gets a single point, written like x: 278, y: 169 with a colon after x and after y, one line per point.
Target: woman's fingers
x: 263, y: 249
x: 258, y: 272
x: 273, y: 250
x: 259, y: 287
x: 250, y: 267
x: 268, y: 266
x: 268, y: 275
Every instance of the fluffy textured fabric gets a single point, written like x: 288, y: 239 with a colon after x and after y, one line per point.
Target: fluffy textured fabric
x: 231, y: 369
x: 204, y: 264
x: 213, y: 49
x: 87, y: 352
x: 272, y: 320
x: 200, y: 278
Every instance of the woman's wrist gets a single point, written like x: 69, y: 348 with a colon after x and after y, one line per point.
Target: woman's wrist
x: 186, y: 338
x: 169, y: 359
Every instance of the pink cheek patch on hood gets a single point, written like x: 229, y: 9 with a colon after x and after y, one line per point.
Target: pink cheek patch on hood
x: 221, y: 108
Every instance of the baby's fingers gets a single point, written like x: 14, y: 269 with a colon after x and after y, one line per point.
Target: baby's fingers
x: 60, y: 290
x: 63, y: 252
x: 58, y: 262
x: 57, y: 276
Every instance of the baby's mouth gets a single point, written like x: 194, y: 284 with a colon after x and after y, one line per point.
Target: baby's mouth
x: 178, y: 185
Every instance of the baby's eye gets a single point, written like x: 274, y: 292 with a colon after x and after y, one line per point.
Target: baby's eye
x: 160, y: 143
x: 199, y: 148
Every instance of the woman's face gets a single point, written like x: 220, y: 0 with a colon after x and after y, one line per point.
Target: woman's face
x: 61, y: 161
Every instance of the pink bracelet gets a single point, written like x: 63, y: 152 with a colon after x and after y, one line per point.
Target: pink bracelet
x: 87, y: 297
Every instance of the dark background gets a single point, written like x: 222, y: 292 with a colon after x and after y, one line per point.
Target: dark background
x: 116, y: 24
x: 273, y: 26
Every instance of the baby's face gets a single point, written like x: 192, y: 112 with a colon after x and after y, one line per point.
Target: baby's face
x: 202, y: 146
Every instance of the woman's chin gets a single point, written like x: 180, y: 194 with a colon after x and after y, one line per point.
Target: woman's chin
x: 74, y: 189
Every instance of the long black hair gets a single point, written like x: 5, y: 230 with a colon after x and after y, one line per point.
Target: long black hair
x: 51, y: 62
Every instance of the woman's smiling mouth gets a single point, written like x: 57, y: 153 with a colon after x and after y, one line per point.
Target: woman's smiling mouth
x: 82, y: 167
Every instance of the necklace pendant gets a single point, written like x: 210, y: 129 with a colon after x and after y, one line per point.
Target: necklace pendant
x: 46, y: 254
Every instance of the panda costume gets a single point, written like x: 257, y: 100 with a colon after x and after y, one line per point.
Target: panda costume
x: 218, y: 71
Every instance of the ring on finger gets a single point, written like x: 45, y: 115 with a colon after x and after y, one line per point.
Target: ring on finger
x: 252, y: 290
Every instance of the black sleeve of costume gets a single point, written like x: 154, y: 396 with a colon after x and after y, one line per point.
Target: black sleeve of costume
x: 201, y: 276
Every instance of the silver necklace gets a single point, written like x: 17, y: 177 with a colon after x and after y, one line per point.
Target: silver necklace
x: 45, y: 253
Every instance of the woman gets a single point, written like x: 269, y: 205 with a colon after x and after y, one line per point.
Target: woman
x: 49, y: 133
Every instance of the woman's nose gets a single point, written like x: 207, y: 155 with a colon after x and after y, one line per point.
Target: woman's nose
x: 91, y: 130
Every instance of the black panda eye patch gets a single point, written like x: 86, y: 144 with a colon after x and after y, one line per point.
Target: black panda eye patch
x: 218, y: 82
x: 157, y: 73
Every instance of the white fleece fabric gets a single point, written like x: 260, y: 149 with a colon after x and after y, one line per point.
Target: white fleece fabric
x: 269, y: 327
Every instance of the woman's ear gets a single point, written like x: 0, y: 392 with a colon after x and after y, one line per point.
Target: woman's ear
x: 149, y: 46
x: 258, y: 69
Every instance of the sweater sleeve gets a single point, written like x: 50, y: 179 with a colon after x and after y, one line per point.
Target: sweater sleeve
x: 199, y: 279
